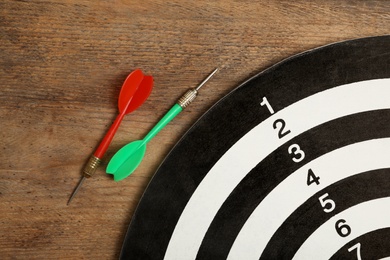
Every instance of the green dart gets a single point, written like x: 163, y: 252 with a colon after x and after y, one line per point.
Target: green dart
x: 127, y: 159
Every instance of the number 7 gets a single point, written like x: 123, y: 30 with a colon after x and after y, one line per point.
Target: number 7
x: 357, y: 247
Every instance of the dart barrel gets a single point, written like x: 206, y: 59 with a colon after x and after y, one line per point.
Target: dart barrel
x: 187, y: 98
x: 191, y: 94
x: 91, y: 166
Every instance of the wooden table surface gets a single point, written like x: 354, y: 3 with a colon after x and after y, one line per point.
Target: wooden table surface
x: 62, y: 63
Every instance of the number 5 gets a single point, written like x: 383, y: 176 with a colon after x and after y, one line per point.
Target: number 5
x: 327, y: 204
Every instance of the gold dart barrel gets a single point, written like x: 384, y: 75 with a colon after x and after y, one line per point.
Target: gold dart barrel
x: 91, y: 166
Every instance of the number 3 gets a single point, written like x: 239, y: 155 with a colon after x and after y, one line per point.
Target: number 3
x: 299, y: 155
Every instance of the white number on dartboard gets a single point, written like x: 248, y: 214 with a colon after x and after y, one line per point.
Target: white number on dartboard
x: 282, y: 132
x: 357, y: 247
x: 327, y: 204
x: 295, y: 150
x: 342, y: 229
x: 267, y: 104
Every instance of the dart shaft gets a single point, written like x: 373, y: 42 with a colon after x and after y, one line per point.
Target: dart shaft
x: 171, y: 114
x: 105, y: 143
x: 182, y: 103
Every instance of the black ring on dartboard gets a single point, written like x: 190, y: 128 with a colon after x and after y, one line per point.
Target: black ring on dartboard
x: 373, y: 245
x: 231, y: 118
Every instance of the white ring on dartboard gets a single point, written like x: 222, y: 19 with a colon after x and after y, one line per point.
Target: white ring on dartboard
x: 292, y: 192
x: 356, y: 221
x: 257, y: 144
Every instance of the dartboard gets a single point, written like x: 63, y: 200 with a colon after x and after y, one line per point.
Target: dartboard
x: 292, y: 164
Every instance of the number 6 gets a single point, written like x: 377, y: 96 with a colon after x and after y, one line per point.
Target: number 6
x: 342, y: 229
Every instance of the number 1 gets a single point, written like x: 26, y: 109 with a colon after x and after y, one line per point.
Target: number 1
x: 267, y: 104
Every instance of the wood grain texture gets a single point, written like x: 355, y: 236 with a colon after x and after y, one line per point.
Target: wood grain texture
x: 62, y: 64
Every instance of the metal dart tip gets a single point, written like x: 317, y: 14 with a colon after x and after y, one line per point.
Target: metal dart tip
x: 206, y: 79
x: 76, y: 190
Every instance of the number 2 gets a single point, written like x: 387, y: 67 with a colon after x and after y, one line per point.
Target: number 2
x: 282, y: 133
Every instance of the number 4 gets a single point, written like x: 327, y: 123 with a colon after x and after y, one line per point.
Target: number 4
x: 312, y: 178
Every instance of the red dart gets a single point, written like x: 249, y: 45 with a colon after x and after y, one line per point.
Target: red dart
x: 135, y: 90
